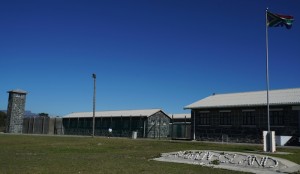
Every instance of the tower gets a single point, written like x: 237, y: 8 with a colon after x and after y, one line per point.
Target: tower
x: 15, y: 111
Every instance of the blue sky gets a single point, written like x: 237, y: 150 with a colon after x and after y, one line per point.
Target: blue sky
x: 146, y: 53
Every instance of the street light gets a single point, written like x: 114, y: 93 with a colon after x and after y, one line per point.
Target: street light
x: 94, y: 103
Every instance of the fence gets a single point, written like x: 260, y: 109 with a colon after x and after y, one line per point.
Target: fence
x: 42, y: 125
x: 181, y: 130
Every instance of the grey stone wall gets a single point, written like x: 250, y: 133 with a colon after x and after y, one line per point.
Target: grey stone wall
x: 15, y: 111
x: 158, y: 126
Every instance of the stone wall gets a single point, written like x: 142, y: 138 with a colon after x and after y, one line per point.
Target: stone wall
x: 15, y: 112
x: 158, y: 126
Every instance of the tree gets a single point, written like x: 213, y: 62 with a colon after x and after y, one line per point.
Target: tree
x: 43, y: 114
x: 2, y: 120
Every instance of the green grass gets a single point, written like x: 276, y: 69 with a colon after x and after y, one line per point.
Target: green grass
x: 59, y: 154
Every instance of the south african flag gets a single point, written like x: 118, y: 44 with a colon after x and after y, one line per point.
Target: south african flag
x: 277, y: 20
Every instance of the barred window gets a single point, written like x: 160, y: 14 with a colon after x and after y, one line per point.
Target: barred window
x: 125, y: 124
x: 204, y: 119
x: 225, y: 118
x: 248, y: 118
x: 106, y: 123
x: 73, y: 123
x: 98, y: 123
x: 80, y: 123
x: 276, y: 118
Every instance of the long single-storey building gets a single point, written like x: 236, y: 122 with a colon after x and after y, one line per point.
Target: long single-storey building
x: 242, y: 117
x: 149, y: 123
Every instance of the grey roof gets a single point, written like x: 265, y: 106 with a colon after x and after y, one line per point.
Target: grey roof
x: 256, y: 98
x: 123, y: 113
x: 19, y: 91
x: 180, y: 116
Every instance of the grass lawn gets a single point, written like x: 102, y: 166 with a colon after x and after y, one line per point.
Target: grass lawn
x: 59, y: 154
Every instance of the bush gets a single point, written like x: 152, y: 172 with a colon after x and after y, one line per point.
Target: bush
x: 215, y: 162
x: 2, y: 121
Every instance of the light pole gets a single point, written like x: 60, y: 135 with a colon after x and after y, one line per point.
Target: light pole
x: 194, y: 138
x: 94, y: 103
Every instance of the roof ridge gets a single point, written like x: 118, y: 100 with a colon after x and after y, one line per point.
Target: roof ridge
x: 114, y: 111
x: 127, y: 110
x: 180, y: 114
x: 131, y: 109
x: 252, y: 91
x: 117, y: 110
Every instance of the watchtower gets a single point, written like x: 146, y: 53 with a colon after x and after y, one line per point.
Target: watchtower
x: 15, y: 111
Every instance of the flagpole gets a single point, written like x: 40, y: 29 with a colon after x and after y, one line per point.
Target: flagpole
x: 267, y: 79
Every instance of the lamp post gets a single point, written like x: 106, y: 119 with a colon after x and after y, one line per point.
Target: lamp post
x: 94, y: 103
x: 194, y: 138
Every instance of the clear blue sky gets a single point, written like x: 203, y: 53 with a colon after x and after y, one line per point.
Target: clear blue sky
x: 146, y: 53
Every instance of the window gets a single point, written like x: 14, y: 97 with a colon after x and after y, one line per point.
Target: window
x: 98, y: 123
x: 106, y: 123
x: 204, y: 119
x: 225, y: 118
x: 73, y: 123
x: 113, y: 124
x: 276, y: 118
x: 248, y: 118
x: 80, y: 123
x: 125, y: 124
x: 89, y: 123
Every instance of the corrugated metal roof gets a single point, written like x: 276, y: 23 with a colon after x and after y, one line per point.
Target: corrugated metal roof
x: 180, y: 116
x: 256, y: 98
x: 123, y: 113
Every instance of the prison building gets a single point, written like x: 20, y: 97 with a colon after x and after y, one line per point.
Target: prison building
x: 149, y: 123
x: 242, y: 117
x: 180, y: 126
